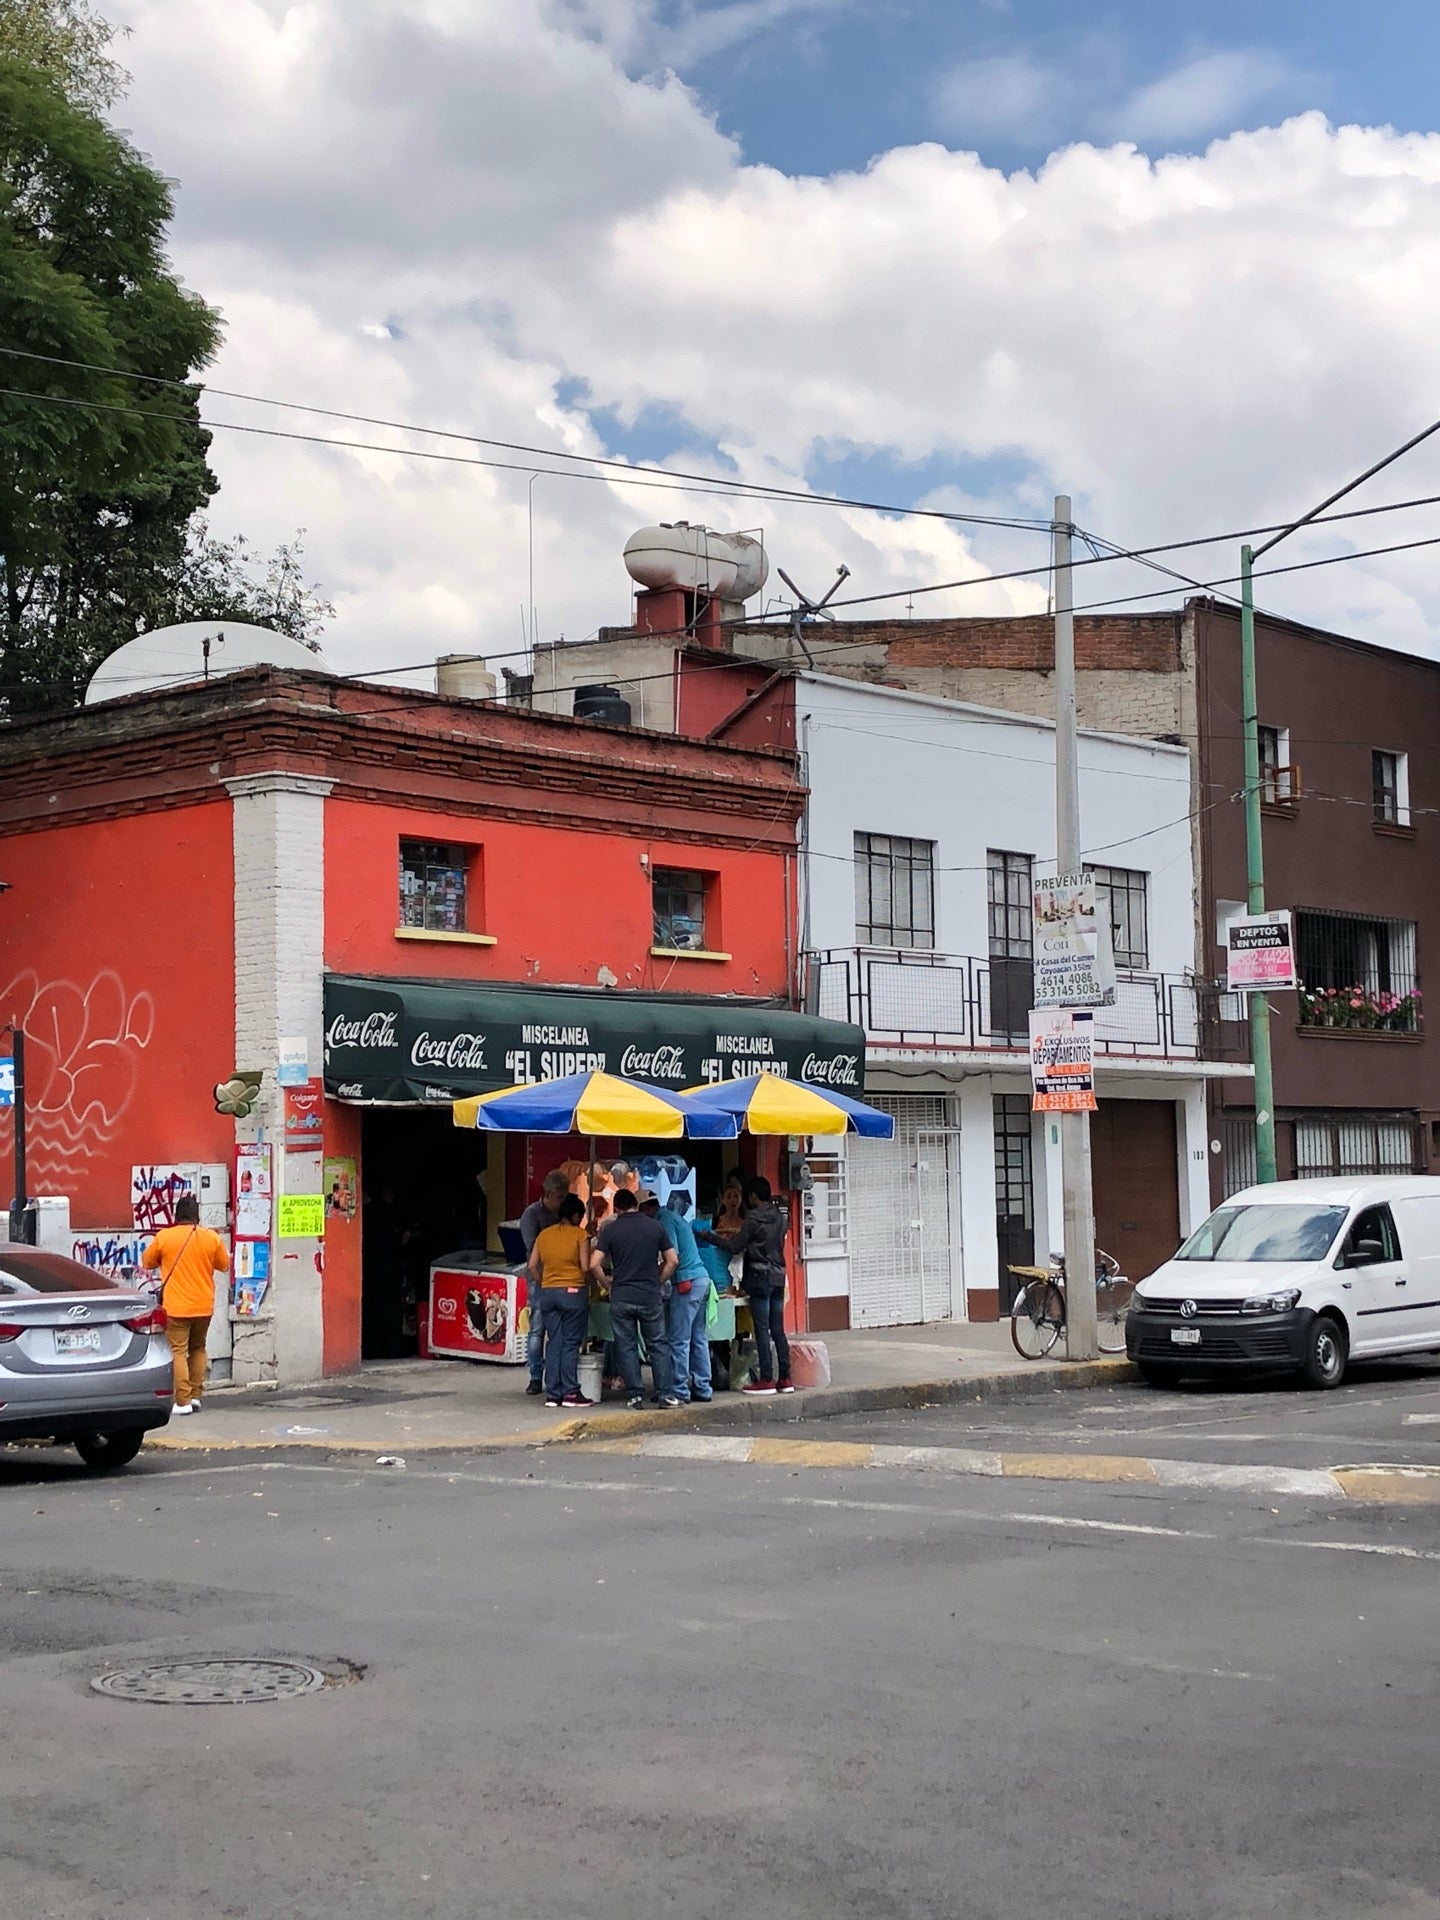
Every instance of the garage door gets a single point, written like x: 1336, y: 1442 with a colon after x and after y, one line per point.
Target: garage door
x: 1133, y: 1151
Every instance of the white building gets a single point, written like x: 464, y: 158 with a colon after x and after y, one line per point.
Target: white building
x: 928, y: 820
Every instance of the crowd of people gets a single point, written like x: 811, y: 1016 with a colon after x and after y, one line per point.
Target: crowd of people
x: 656, y: 1268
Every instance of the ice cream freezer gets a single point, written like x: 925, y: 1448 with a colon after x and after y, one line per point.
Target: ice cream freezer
x: 477, y: 1310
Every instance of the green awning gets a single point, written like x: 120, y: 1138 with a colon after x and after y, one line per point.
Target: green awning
x: 426, y: 1042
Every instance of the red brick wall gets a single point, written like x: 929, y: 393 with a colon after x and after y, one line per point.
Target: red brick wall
x: 1117, y: 643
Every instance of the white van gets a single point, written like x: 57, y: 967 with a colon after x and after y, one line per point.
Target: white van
x: 1304, y: 1276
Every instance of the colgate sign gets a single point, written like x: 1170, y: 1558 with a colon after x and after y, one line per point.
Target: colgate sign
x: 375, y: 1031
x: 842, y: 1070
x: 461, y: 1053
x: 654, y: 1063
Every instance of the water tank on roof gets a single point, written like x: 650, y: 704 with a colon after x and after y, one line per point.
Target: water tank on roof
x: 605, y: 704
x: 464, y: 676
x: 729, y: 566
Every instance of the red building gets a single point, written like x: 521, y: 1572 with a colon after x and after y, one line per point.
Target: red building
x: 405, y: 897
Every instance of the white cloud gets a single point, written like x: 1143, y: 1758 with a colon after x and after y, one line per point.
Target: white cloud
x: 1014, y: 95
x: 1209, y: 94
x: 439, y: 210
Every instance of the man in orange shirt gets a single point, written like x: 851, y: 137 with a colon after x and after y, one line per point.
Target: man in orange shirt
x: 188, y: 1256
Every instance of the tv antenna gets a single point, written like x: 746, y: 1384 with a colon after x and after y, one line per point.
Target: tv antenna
x: 807, y: 609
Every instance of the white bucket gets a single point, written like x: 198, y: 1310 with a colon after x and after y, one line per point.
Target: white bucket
x: 592, y: 1375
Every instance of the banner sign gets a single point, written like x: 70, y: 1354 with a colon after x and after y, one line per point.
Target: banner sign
x: 409, y: 1042
x: 1260, y: 953
x: 1062, y: 1060
x: 1074, y: 956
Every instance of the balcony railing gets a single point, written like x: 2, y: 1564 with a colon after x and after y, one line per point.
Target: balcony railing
x: 943, y: 1003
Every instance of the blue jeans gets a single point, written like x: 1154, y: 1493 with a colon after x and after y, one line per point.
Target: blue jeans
x: 564, y: 1315
x: 630, y: 1320
x: 689, y: 1348
x: 535, y: 1339
x: 767, y: 1310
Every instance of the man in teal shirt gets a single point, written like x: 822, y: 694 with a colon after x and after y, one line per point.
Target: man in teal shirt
x: 686, y: 1311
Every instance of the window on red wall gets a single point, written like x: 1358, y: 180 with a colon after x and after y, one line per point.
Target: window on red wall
x: 686, y: 903
x: 440, y: 890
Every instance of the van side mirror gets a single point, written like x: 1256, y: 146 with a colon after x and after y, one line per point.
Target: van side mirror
x: 1365, y: 1253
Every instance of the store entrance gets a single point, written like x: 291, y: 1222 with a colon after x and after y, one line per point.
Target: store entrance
x: 422, y: 1197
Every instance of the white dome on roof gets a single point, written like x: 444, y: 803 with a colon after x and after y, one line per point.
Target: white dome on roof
x: 174, y: 656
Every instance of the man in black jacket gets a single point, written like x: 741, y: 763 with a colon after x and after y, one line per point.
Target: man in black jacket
x: 761, y: 1240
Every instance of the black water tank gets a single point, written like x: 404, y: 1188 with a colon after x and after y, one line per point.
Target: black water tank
x: 602, y: 703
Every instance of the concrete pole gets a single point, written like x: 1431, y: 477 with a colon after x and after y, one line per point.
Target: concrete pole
x: 1265, y: 1162
x: 1081, y: 1342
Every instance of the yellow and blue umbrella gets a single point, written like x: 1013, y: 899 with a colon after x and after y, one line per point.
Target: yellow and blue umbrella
x: 768, y: 1103
x: 594, y: 1104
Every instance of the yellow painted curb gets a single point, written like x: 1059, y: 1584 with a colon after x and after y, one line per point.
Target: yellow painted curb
x: 765, y: 1452
x: 1076, y: 1466
x: 339, y: 1443
x: 1407, y: 1486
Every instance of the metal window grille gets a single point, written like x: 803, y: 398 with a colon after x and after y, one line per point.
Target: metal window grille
x: 1012, y: 905
x: 1122, y: 893
x: 825, y: 1211
x: 678, y: 896
x: 1385, y: 786
x: 894, y: 891
x: 1357, y: 971
x: 1237, y: 1141
x: 1352, y: 1143
x: 434, y: 884
x: 1014, y: 1190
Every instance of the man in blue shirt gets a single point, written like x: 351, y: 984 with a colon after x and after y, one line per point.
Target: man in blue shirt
x: 686, y: 1310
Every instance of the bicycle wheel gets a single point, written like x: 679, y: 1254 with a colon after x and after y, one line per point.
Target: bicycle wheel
x: 1112, y: 1303
x: 1037, y: 1319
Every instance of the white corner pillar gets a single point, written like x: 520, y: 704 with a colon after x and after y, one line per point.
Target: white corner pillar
x: 1194, y: 1135
x: 279, y: 844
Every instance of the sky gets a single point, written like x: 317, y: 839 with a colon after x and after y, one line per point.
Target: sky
x: 953, y: 256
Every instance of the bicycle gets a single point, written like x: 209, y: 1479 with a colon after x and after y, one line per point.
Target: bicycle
x: 1037, y: 1319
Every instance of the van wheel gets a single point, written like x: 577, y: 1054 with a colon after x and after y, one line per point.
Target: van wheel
x: 107, y: 1452
x: 1326, y: 1352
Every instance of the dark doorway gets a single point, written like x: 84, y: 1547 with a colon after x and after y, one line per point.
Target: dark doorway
x: 1014, y: 1191
x: 1133, y: 1148
x: 421, y: 1199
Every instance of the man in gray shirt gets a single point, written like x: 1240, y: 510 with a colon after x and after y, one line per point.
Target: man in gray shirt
x: 541, y: 1213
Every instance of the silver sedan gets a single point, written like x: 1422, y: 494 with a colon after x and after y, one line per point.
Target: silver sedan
x: 83, y: 1358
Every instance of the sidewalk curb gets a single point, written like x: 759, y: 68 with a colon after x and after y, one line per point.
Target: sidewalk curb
x: 726, y: 1410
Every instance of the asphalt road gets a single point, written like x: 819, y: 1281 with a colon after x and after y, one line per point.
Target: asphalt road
x: 605, y: 1686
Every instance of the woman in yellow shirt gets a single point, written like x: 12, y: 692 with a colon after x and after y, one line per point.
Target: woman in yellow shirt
x: 559, y: 1262
x: 188, y: 1256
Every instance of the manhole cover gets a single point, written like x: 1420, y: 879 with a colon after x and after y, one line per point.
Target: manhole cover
x: 211, y: 1683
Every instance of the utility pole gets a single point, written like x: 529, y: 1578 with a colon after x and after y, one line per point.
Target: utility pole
x: 1266, y: 1168
x: 1081, y: 1338
x: 22, y: 1198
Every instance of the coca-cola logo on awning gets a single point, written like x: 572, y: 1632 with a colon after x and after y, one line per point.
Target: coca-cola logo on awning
x: 840, y: 1070
x: 653, y: 1063
x: 373, y: 1030
x: 461, y: 1052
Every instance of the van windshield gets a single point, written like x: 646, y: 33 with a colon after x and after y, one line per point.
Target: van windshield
x: 1265, y: 1233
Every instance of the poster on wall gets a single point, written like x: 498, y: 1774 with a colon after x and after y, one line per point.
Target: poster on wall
x: 250, y: 1277
x: 154, y: 1191
x: 253, y: 1190
x: 1074, y: 955
x: 293, y: 1066
x: 302, y: 1216
x: 1062, y: 1060
x: 305, y: 1118
x: 1259, y: 952
x: 342, y: 1188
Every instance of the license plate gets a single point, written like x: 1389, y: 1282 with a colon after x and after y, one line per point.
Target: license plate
x: 1185, y: 1336
x: 82, y: 1340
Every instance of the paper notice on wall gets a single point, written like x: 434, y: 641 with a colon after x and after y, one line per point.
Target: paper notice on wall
x: 250, y: 1277
x: 1259, y: 953
x: 302, y: 1216
x: 1074, y: 957
x: 1062, y: 1060
x: 293, y: 1066
x: 254, y: 1189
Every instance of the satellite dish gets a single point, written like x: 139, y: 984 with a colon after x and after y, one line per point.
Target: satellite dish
x: 172, y: 656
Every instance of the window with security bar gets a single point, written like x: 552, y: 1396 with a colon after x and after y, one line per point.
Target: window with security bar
x: 1357, y: 972
x: 894, y: 891
x: 1352, y: 1143
x: 1390, y: 788
x: 1122, y: 895
x: 824, y: 1202
x: 435, y: 885
x: 1010, y: 878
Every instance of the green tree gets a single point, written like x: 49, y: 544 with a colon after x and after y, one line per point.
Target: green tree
x: 68, y: 41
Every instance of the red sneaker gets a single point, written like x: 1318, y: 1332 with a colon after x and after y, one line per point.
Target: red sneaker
x: 785, y: 1384
x: 759, y: 1386
x: 576, y: 1400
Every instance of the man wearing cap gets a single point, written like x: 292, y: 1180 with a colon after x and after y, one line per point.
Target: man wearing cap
x: 642, y: 1261
x: 685, y: 1310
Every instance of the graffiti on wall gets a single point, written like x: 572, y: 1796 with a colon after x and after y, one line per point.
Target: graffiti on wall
x: 153, y: 1193
x: 82, y: 1062
x: 112, y: 1252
